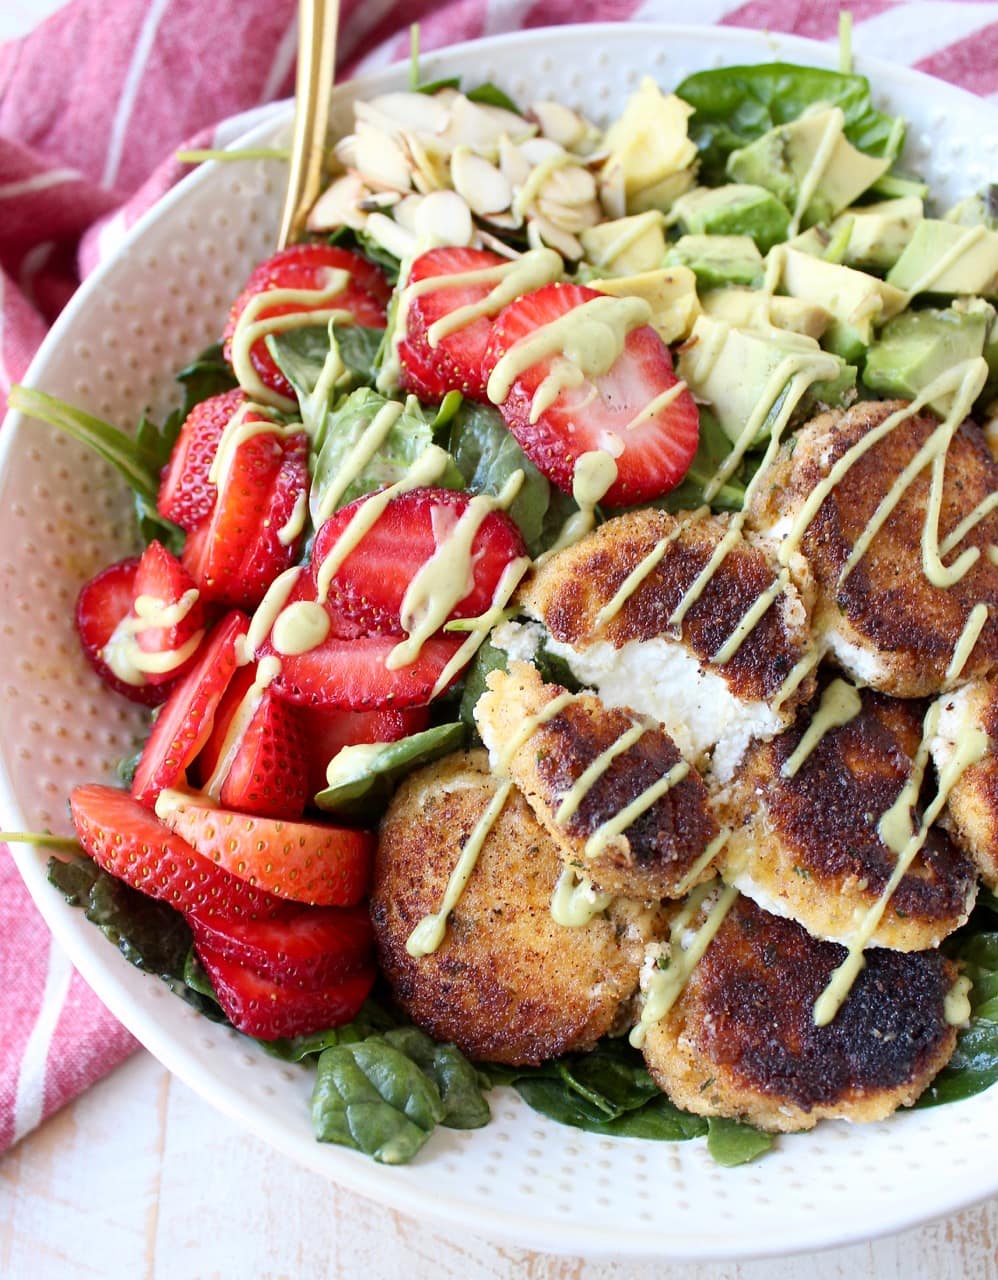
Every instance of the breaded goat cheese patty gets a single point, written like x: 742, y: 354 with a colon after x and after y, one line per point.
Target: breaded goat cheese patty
x: 808, y: 846
x: 583, y: 767
x: 507, y: 984
x: 972, y: 809
x: 707, y: 700
x: 884, y: 621
x: 741, y: 1040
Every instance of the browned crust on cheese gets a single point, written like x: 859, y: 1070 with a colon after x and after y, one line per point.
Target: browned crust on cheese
x: 886, y: 605
x: 741, y: 1039
x: 569, y: 590
x: 973, y: 803
x: 507, y: 984
x: 811, y: 841
x: 652, y: 857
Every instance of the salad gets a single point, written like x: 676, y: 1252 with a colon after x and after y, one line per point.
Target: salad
x: 568, y: 609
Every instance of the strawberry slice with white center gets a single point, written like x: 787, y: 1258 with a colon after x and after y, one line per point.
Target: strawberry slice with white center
x: 632, y: 411
x: 103, y: 605
x: 313, y: 947
x: 130, y: 843
x: 167, y: 619
x: 269, y: 1011
x: 186, y: 495
x: 310, y: 862
x: 184, y: 724
x: 430, y: 368
x: 252, y: 534
x: 308, y: 269
x: 327, y: 731
x: 255, y: 758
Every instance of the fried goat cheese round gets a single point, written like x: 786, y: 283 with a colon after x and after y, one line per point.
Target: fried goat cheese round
x: 741, y: 1040
x: 708, y: 700
x: 884, y: 621
x: 972, y: 808
x: 808, y: 846
x: 507, y: 984
x: 585, y: 766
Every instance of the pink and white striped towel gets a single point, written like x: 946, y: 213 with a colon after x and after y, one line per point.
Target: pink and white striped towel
x: 90, y: 104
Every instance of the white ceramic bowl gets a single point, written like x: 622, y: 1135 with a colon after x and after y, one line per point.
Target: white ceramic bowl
x: 63, y: 516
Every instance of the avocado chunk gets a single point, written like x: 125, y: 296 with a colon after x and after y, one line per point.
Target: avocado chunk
x: 746, y: 376
x: 944, y: 257
x: 755, y: 309
x: 650, y: 155
x: 976, y: 211
x: 917, y: 346
x: 626, y: 246
x: 718, y: 260
x: 856, y: 300
x: 878, y: 233
x: 735, y: 209
x: 808, y: 160
x: 671, y: 292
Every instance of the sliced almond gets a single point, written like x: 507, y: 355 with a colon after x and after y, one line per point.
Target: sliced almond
x: 408, y: 112
x: 541, y: 151
x: 612, y: 192
x: 484, y: 187
x: 443, y: 217
x: 569, y: 217
x: 570, y: 184
x: 489, y: 241
x: 387, y: 233
x: 513, y: 163
x: 405, y: 213
x: 380, y: 160
x: 340, y: 205
x: 541, y: 233
x: 429, y: 170
x: 559, y: 123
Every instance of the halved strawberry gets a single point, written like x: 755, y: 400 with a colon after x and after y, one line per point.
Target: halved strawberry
x: 307, y: 862
x: 129, y: 842
x: 186, y: 495
x: 372, y: 580
x: 327, y: 731
x: 429, y: 369
x: 255, y: 757
x: 655, y: 451
x: 313, y: 947
x: 309, y: 267
x: 351, y: 674
x: 248, y: 540
x: 185, y: 722
x: 102, y: 605
x: 269, y: 1010
x: 164, y: 590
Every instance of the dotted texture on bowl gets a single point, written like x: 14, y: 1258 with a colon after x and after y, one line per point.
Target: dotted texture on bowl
x: 62, y: 516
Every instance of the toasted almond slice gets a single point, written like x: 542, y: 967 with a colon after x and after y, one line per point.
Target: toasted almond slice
x: 380, y: 160
x: 484, y: 187
x: 387, y: 233
x: 340, y: 205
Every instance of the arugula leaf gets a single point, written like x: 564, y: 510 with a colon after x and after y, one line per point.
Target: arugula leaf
x: 735, y: 105
x: 731, y: 1143
x: 367, y: 774
x: 487, y: 454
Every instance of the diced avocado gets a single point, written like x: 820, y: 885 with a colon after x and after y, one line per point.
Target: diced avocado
x: 648, y: 143
x: 718, y: 260
x: 976, y: 211
x: 856, y: 300
x: 745, y: 375
x: 812, y: 149
x: 879, y: 233
x: 626, y: 246
x: 671, y: 292
x: 753, y: 309
x: 943, y: 257
x: 736, y: 209
x: 662, y: 194
x: 917, y: 346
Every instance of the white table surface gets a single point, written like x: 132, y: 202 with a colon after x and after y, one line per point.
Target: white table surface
x: 141, y: 1179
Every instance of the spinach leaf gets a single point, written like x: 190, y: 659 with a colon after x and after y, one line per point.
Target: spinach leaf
x: 410, y: 434
x: 374, y: 252
x: 658, y: 1119
x: 731, y: 1143
x: 490, y: 95
x: 488, y: 658
x: 210, y: 374
x: 301, y: 355
x: 974, y: 1065
x: 735, y: 105
x: 364, y: 776
x: 713, y: 448
x: 373, y: 1098
x: 465, y: 1106
x: 487, y: 455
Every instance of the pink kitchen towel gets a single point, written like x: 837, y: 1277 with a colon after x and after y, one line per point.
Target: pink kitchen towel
x: 93, y: 104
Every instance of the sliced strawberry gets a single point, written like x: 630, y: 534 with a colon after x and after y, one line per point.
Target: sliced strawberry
x: 307, y: 862
x: 101, y: 607
x: 309, y: 267
x: 129, y: 842
x: 255, y: 757
x: 164, y: 589
x: 351, y: 674
x: 270, y: 1011
x: 429, y: 369
x: 185, y: 722
x: 314, y: 947
x: 371, y: 582
x: 327, y: 732
x: 238, y: 553
x: 186, y: 495
x: 654, y: 454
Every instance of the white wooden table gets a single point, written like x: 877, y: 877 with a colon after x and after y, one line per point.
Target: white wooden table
x: 140, y: 1179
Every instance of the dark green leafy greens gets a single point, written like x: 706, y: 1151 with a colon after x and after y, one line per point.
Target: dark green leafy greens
x: 731, y: 1143
x: 974, y: 1065
x: 735, y: 105
x: 367, y: 776
x: 301, y: 355
x: 713, y: 448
